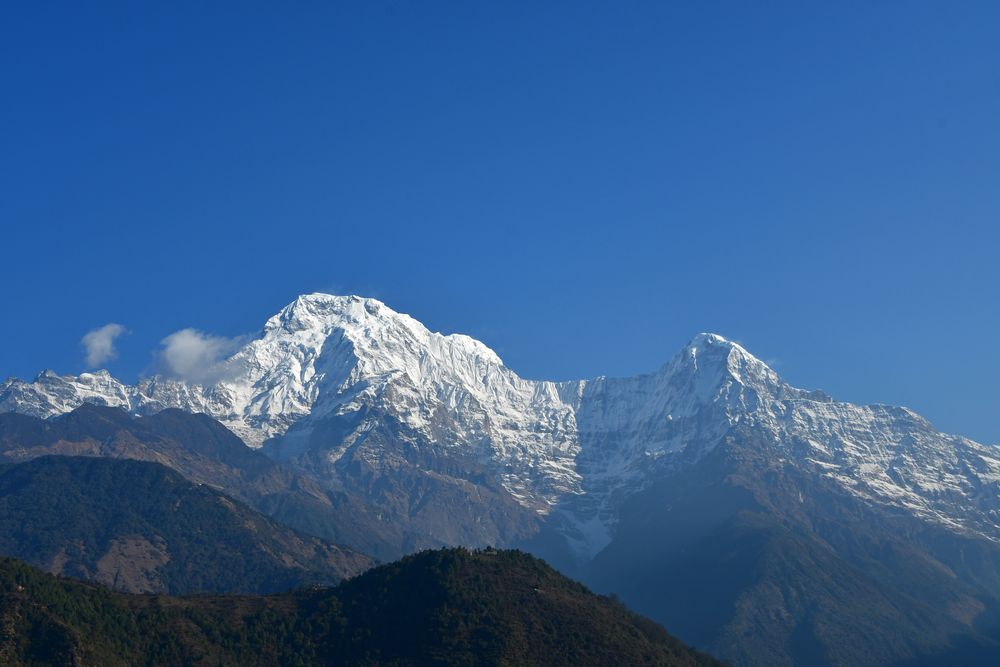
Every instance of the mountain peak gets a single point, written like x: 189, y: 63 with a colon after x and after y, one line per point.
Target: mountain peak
x: 712, y: 354
x: 319, y: 309
x: 374, y: 327
x: 323, y: 300
x: 713, y: 342
x: 709, y: 338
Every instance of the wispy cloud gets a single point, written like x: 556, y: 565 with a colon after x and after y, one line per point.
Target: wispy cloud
x: 195, y: 356
x: 100, y: 344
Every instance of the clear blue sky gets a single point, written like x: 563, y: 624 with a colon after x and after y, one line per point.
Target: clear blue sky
x: 583, y: 186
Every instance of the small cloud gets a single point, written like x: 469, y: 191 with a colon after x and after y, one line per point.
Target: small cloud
x: 100, y: 344
x: 195, y: 356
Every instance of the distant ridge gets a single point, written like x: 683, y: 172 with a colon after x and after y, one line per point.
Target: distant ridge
x: 140, y: 527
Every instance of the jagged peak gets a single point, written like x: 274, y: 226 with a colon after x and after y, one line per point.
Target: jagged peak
x: 712, y: 344
x: 364, y: 318
x: 102, y: 374
x: 713, y: 341
x: 87, y: 377
x: 710, y: 353
x: 709, y: 338
x: 317, y: 307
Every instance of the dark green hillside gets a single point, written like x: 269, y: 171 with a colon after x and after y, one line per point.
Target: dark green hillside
x: 141, y: 527
x: 498, y: 607
x: 449, y: 607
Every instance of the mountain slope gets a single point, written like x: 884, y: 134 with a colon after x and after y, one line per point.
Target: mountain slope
x: 445, y: 607
x: 205, y: 452
x: 770, y: 565
x: 383, y: 505
x: 140, y: 527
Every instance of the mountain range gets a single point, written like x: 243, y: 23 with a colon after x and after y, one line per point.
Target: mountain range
x: 780, y: 519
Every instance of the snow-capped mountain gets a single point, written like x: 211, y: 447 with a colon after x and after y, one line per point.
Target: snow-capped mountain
x: 750, y: 515
x: 575, y: 450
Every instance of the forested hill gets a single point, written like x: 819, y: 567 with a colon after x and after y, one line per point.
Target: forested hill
x: 447, y: 607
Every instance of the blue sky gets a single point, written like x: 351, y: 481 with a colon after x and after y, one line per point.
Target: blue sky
x: 583, y: 186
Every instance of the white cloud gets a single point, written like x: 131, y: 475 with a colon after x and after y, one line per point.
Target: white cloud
x: 195, y: 356
x: 100, y: 343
